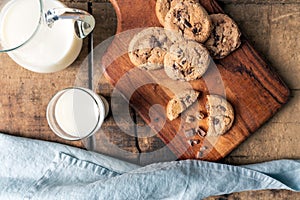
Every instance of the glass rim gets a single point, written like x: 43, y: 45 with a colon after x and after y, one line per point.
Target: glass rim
x: 41, y: 10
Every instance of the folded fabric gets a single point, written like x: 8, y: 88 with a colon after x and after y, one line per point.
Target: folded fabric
x: 32, y: 169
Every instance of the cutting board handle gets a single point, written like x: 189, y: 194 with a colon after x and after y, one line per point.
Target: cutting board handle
x: 131, y: 14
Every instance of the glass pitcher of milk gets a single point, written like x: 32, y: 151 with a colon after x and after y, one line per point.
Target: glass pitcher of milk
x: 42, y: 35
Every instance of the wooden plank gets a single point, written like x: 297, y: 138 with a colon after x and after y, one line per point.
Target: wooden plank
x: 284, y: 42
x: 152, y: 149
x: 242, y: 69
x: 117, y: 140
x: 17, y: 102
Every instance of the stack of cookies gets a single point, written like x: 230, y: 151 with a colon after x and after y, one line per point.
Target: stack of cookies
x: 184, y: 48
x: 217, y: 32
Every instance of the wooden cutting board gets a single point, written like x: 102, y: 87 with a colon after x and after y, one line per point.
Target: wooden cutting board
x: 249, y: 83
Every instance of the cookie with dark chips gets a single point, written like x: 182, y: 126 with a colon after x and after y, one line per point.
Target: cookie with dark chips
x: 187, y: 60
x: 225, y: 36
x: 163, y: 7
x: 147, y: 49
x: 190, y: 20
x: 220, y: 115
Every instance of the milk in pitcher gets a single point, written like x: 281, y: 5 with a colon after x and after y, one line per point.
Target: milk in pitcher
x: 49, y: 49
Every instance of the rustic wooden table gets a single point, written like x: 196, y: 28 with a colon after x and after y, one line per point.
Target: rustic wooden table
x: 273, y: 28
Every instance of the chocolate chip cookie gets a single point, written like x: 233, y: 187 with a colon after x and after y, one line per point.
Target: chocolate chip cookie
x: 225, y: 36
x: 163, y: 6
x: 220, y: 115
x: 180, y: 103
x: 187, y: 60
x: 190, y: 20
x: 147, y: 49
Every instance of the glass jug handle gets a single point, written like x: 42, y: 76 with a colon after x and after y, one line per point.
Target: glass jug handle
x: 84, y: 22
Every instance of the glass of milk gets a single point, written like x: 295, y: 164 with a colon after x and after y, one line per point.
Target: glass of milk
x: 76, y: 113
x: 42, y: 35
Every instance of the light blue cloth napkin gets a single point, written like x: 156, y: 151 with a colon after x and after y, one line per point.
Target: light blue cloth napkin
x: 32, y: 169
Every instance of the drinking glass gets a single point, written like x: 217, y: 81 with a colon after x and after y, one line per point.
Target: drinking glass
x: 76, y: 113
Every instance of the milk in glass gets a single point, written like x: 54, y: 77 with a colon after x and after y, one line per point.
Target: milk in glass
x: 78, y: 113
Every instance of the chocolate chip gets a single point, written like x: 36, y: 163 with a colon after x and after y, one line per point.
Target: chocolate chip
x: 195, y: 30
x: 222, y: 108
x: 203, y: 148
x: 198, y: 25
x: 193, y: 142
x: 187, y: 24
x: 189, y: 71
x: 216, y: 121
x: 201, y: 132
x: 199, y: 154
x: 189, y: 133
x: 188, y: 97
x: 178, y: 15
x: 199, y: 115
x: 190, y: 119
x: 180, y: 51
x: 154, y: 42
x: 196, y: 142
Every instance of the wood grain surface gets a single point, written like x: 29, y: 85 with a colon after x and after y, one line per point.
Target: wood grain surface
x: 271, y: 26
x: 253, y: 88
